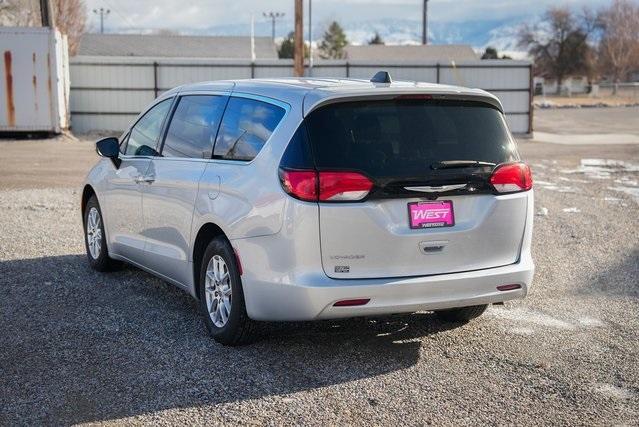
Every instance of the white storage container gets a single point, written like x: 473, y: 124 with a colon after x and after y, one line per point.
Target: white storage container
x: 34, y: 80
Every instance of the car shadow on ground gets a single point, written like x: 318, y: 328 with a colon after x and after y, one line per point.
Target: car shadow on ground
x: 80, y: 346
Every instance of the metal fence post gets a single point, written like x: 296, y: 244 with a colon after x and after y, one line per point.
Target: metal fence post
x: 348, y: 69
x: 156, y: 89
x: 531, y: 108
x: 438, y: 67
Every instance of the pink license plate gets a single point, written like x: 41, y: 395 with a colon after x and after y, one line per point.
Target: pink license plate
x: 431, y: 214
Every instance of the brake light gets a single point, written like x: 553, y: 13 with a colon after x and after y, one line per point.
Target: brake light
x: 315, y: 186
x: 341, y: 186
x: 512, y: 177
x: 300, y: 184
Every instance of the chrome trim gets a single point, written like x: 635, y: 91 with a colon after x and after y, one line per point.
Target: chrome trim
x: 436, y: 188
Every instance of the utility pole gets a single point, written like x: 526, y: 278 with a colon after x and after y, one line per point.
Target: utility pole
x: 310, y: 37
x: 103, y: 13
x: 298, y: 55
x: 425, y: 23
x: 46, y: 14
x: 273, y: 16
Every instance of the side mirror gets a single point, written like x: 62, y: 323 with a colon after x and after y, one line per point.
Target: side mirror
x: 109, y: 147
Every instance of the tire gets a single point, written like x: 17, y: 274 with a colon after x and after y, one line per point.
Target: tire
x: 95, y: 238
x: 462, y: 314
x: 222, y: 297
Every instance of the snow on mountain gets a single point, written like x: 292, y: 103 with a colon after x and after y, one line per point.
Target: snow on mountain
x: 501, y: 34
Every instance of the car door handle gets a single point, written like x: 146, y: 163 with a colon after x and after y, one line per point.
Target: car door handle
x: 148, y: 179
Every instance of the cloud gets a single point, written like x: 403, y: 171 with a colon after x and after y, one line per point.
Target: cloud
x: 197, y: 15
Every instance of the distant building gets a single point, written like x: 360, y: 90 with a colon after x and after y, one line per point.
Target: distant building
x: 408, y: 53
x: 571, y: 85
x: 176, y: 46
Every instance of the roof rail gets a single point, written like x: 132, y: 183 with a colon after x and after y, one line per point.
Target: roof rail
x: 382, y: 77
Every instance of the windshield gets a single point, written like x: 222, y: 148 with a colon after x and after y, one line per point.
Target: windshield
x: 397, y: 139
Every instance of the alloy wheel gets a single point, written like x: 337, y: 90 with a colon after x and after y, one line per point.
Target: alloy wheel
x: 218, y: 291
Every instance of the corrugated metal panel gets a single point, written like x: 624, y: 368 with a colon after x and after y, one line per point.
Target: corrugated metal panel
x: 116, y: 101
x: 421, y: 74
x: 329, y: 70
x: 109, y: 122
x: 127, y: 85
x: 518, y: 123
x: 33, y: 84
x: 176, y: 75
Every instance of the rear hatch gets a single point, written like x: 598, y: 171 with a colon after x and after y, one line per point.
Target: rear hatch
x: 429, y: 206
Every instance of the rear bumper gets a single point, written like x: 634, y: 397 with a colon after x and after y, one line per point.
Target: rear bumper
x: 312, y: 297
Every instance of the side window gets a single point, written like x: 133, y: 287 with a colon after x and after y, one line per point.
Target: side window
x: 193, y: 126
x: 143, y: 138
x: 246, y: 126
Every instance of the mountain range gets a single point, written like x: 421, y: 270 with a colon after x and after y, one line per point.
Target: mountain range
x: 501, y: 34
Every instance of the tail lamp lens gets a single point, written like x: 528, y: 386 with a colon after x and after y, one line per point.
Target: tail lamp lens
x: 341, y: 186
x: 512, y: 177
x: 325, y: 186
x: 300, y: 184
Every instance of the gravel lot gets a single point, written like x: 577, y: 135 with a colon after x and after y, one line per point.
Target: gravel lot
x: 82, y: 347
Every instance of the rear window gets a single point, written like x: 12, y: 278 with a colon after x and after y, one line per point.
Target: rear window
x: 403, y: 138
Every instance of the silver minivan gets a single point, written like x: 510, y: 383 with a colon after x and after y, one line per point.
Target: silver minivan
x: 303, y: 199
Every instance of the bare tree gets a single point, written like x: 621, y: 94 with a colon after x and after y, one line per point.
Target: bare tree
x: 619, y: 46
x: 70, y: 19
x: 19, y: 13
x: 559, y: 45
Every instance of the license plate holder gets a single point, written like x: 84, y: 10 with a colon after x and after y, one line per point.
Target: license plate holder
x: 431, y: 214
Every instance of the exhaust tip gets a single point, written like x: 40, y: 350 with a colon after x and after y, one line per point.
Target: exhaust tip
x: 351, y: 302
x: 511, y: 287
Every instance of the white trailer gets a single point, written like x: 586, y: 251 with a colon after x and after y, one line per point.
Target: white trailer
x: 34, y: 80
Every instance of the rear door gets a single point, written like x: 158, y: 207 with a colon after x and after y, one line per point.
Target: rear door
x: 173, y: 179
x: 420, y: 155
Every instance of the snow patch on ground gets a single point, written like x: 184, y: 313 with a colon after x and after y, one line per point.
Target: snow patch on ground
x: 530, y: 317
x: 524, y: 320
x: 546, y: 185
x: 542, y: 212
x: 589, y: 321
x: 602, y: 168
x: 613, y: 391
x: 633, y: 191
x: 571, y: 210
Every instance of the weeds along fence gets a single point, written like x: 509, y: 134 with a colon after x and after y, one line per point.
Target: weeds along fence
x: 107, y: 93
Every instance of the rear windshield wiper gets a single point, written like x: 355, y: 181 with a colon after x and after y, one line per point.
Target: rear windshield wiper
x: 454, y: 164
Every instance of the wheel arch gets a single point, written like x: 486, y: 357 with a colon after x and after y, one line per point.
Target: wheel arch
x: 87, y: 192
x: 205, y: 234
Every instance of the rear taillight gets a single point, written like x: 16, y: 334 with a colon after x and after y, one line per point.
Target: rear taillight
x: 315, y: 186
x: 343, y: 186
x: 512, y: 177
x: 300, y: 184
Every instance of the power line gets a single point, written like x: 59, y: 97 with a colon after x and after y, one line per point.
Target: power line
x: 123, y: 16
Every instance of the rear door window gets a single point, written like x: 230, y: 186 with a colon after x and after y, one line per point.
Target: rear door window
x: 401, y: 139
x: 145, y: 134
x: 193, y: 127
x: 246, y: 126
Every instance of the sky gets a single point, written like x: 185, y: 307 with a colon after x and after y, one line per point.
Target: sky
x: 218, y: 16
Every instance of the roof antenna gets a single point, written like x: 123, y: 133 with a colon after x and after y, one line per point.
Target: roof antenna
x: 382, y: 77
